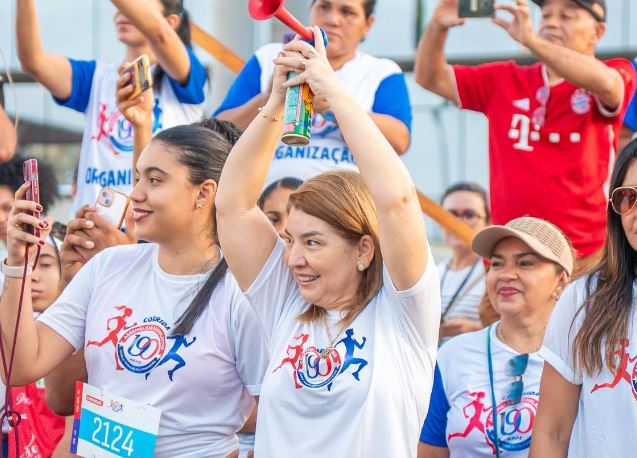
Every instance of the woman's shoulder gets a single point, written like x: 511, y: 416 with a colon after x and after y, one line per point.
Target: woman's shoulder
x: 464, y: 344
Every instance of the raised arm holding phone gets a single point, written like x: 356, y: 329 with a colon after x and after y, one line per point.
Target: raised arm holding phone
x: 554, y: 125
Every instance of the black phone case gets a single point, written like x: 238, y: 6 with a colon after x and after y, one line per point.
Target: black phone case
x: 476, y: 8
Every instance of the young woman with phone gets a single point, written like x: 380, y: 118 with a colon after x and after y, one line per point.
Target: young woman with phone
x: 350, y: 300
x: 178, y: 285
x: 157, y: 28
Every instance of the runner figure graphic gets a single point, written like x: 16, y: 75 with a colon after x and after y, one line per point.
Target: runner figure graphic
x: 475, y: 420
x: 101, y: 124
x: 351, y: 344
x: 622, y: 368
x: 293, y: 358
x: 173, y: 356
x: 120, y: 325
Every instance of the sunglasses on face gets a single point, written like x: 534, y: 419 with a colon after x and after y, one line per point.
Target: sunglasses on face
x: 515, y: 367
x: 467, y: 215
x: 623, y: 199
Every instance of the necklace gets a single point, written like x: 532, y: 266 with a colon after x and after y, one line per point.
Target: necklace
x: 330, y: 348
x: 500, y: 334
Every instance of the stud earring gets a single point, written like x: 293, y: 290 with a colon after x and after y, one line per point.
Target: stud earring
x: 360, y: 266
x: 199, y: 205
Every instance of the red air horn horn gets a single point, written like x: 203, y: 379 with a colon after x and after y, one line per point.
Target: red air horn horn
x: 297, y: 118
x: 265, y: 9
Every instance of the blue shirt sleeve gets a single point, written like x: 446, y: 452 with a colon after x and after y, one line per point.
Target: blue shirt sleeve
x: 245, y: 87
x: 392, y: 99
x: 631, y: 112
x: 434, y: 431
x: 192, y: 92
x: 82, y: 82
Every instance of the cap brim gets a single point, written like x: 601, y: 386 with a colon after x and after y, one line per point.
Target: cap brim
x: 486, y: 240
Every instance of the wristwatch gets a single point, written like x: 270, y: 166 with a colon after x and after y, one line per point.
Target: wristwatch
x: 14, y: 271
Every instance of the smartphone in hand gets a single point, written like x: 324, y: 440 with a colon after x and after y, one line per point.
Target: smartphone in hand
x: 30, y: 173
x: 111, y: 205
x: 476, y: 8
x: 141, y: 78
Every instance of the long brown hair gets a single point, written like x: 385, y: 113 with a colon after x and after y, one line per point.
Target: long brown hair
x: 609, y: 303
x: 342, y: 200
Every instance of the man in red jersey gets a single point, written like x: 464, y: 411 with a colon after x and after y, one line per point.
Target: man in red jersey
x: 554, y: 125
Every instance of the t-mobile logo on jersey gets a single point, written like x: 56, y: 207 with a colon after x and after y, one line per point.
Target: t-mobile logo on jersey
x: 521, y: 131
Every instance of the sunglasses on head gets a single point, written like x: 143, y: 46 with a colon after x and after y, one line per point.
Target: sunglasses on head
x: 623, y: 199
x: 515, y: 367
x: 467, y: 215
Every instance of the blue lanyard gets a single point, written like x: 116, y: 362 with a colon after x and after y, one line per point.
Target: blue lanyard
x: 493, y: 403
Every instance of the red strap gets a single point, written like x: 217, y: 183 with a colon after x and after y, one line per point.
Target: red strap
x: 13, y: 417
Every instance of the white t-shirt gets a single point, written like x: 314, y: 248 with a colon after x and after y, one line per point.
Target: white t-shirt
x: 606, y: 419
x: 366, y: 399
x: 460, y: 413
x: 107, y: 145
x: 378, y: 85
x: 121, y: 308
x: 467, y: 301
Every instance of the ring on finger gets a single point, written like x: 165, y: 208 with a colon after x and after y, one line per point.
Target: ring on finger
x: 302, y: 63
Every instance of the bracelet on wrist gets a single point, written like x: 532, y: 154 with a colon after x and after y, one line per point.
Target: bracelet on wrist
x: 14, y: 271
x: 264, y: 115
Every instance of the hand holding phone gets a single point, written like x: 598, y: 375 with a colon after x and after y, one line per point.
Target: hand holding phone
x: 111, y: 205
x: 141, y: 78
x: 30, y: 173
x: 476, y: 8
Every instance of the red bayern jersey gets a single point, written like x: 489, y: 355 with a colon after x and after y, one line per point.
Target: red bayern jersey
x: 551, y: 147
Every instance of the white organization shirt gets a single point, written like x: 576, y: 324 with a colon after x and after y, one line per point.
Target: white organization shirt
x: 107, y: 145
x: 460, y: 413
x: 121, y: 308
x: 366, y: 399
x: 378, y: 85
x: 606, y: 419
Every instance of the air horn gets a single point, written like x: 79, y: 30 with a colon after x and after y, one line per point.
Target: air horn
x: 297, y: 118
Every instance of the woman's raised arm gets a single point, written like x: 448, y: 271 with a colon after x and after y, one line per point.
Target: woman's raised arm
x: 403, y: 237
x: 53, y: 71
x: 245, y: 233
x: 168, y: 48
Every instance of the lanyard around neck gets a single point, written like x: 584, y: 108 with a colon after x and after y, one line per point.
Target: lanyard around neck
x: 494, y: 406
x: 459, y: 289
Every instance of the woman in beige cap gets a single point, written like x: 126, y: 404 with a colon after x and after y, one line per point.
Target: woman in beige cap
x: 531, y: 263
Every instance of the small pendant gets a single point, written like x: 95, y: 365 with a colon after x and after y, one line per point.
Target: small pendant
x: 326, y: 352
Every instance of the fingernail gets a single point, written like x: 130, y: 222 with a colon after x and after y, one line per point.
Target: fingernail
x: 43, y: 225
x: 39, y: 208
x: 89, y: 244
x: 41, y: 242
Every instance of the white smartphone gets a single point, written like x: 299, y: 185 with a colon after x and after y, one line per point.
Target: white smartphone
x: 111, y: 205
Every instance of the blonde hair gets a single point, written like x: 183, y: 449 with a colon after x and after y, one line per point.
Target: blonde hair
x: 342, y: 200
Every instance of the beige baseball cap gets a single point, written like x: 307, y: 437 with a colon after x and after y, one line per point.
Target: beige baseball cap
x: 542, y: 237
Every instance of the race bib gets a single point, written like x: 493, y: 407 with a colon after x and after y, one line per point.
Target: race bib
x: 107, y: 426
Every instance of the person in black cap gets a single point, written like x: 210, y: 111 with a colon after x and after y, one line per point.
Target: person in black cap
x: 554, y: 125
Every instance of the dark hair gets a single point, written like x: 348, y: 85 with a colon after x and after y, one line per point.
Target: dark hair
x: 469, y: 187
x: 609, y: 305
x: 287, y: 183
x: 368, y: 5
x: 11, y: 176
x: 204, y: 153
x: 183, y: 30
x: 227, y: 129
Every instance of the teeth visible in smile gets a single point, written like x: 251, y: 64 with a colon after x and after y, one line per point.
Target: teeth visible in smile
x: 307, y: 277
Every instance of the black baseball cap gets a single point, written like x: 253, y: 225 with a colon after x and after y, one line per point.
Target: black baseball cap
x: 587, y: 5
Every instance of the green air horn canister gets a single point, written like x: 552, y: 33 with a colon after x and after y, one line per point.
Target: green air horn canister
x: 297, y: 119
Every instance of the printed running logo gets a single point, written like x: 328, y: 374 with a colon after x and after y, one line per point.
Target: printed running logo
x: 116, y: 131
x: 622, y: 370
x: 515, y: 422
x: 314, y: 368
x: 140, y: 348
